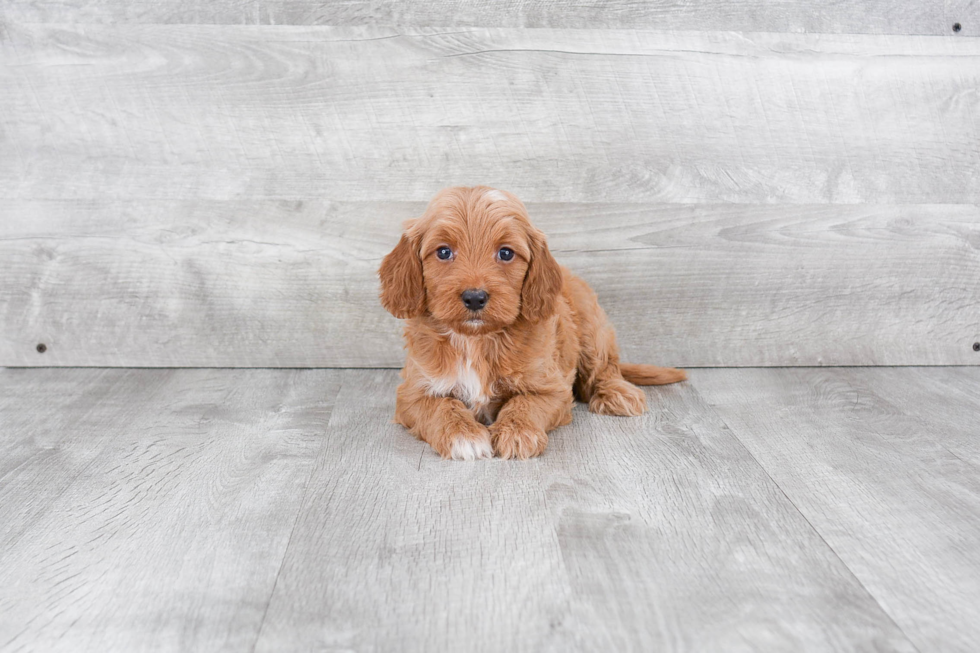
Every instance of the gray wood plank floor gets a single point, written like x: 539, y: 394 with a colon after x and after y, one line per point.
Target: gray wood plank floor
x: 149, y: 509
x: 804, y: 509
x: 884, y: 464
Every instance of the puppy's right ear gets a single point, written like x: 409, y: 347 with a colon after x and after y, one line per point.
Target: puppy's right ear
x: 542, y: 284
x: 402, y: 286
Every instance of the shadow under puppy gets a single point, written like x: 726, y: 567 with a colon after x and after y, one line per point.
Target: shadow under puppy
x: 500, y: 338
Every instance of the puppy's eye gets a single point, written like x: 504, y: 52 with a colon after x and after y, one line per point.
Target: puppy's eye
x: 505, y: 254
x: 444, y: 253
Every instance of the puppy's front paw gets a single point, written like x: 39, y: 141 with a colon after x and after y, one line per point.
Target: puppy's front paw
x: 511, y: 440
x: 463, y: 440
x: 459, y: 436
x: 470, y: 447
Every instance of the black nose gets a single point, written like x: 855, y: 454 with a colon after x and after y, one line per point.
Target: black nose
x: 475, y: 300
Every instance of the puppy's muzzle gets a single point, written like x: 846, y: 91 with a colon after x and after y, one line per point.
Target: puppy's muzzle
x: 474, y: 299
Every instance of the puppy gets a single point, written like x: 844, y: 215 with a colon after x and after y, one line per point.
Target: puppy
x: 500, y: 338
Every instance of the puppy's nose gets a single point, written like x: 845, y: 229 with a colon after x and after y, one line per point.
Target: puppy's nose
x: 474, y: 299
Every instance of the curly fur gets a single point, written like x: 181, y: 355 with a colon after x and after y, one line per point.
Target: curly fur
x: 497, y: 380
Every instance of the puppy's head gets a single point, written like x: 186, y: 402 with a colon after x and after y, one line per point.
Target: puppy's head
x: 473, y: 261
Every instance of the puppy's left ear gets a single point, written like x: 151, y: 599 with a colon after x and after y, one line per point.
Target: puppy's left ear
x: 542, y: 284
x: 402, y: 285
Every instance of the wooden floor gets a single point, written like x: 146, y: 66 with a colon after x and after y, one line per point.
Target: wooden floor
x: 274, y: 510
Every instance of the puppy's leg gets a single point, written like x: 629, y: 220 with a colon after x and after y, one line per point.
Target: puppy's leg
x: 600, y: 381
x: 445, y: 423
x: 521, y: 429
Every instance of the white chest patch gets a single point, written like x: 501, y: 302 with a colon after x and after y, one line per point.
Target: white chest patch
x: 465, y: 384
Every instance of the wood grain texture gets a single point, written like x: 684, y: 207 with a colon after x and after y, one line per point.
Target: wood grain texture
x: 962, y: 381
x: 942, y: 400
x: 655, y: 533
x: 152, y: 509
x: 351, y: 114
x: 836, y: 16
x: 884, y: 472
x: 293, y: 284
x: 54, y: 424
x: 149, y: 509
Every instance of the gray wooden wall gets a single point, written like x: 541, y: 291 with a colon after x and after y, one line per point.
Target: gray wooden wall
x: 215, y: 183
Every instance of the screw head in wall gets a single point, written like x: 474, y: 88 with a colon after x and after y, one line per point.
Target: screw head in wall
x: 41, y: 348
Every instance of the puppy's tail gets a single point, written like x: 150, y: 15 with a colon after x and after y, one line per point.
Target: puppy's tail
x: 651, y: 374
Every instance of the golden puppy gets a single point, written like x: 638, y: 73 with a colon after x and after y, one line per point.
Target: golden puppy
x: 499, y: 336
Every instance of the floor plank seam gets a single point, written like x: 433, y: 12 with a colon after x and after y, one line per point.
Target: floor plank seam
x: 292, y: 529
x: 69, y: 485
x: 959, y: 392
x: 836, y: 555
x: 951, y: 389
